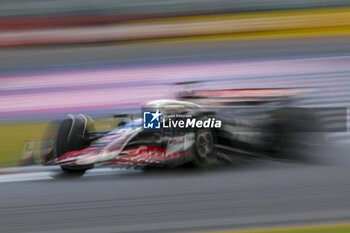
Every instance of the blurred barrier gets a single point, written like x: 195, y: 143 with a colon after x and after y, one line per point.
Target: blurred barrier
x: 24, y: 95
x: 293, y: 23
x: 330, y: 228
x: 48, y: 8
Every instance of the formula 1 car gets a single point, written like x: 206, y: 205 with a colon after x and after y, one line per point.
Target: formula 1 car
x: 247, y: 127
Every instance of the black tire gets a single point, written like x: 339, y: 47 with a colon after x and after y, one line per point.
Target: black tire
x: 70, y: 137
x: 203, y: 150
x: 296, y: 132
x: 48, y: 141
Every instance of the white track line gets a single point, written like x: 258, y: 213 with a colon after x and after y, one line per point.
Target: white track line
x: 37, y: 173
x: 25, y: 177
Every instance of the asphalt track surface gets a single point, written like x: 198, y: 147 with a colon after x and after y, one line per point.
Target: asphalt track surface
x: 256, y: 194
x: 250, y: 195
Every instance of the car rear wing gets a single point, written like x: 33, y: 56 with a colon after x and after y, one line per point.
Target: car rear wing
x: 240, y: 95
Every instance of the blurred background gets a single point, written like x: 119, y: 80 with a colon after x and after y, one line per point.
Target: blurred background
x: 104, y: 57
x: 111, y: 56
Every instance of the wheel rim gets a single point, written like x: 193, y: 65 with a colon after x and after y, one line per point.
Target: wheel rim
x: 204, y: 144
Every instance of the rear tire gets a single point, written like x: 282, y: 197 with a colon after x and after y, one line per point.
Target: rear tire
x: 297, y: 131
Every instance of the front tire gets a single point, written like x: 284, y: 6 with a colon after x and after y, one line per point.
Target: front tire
x: 70, y: 137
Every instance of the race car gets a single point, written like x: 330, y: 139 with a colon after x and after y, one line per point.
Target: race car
x: 248, y: 129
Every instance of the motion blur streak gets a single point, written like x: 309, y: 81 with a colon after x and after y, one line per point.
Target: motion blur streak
x: 296, y: 23
x: 103, y: 58
x: 305, y: 229
x: 17, y: 91
x: 265, y: 195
